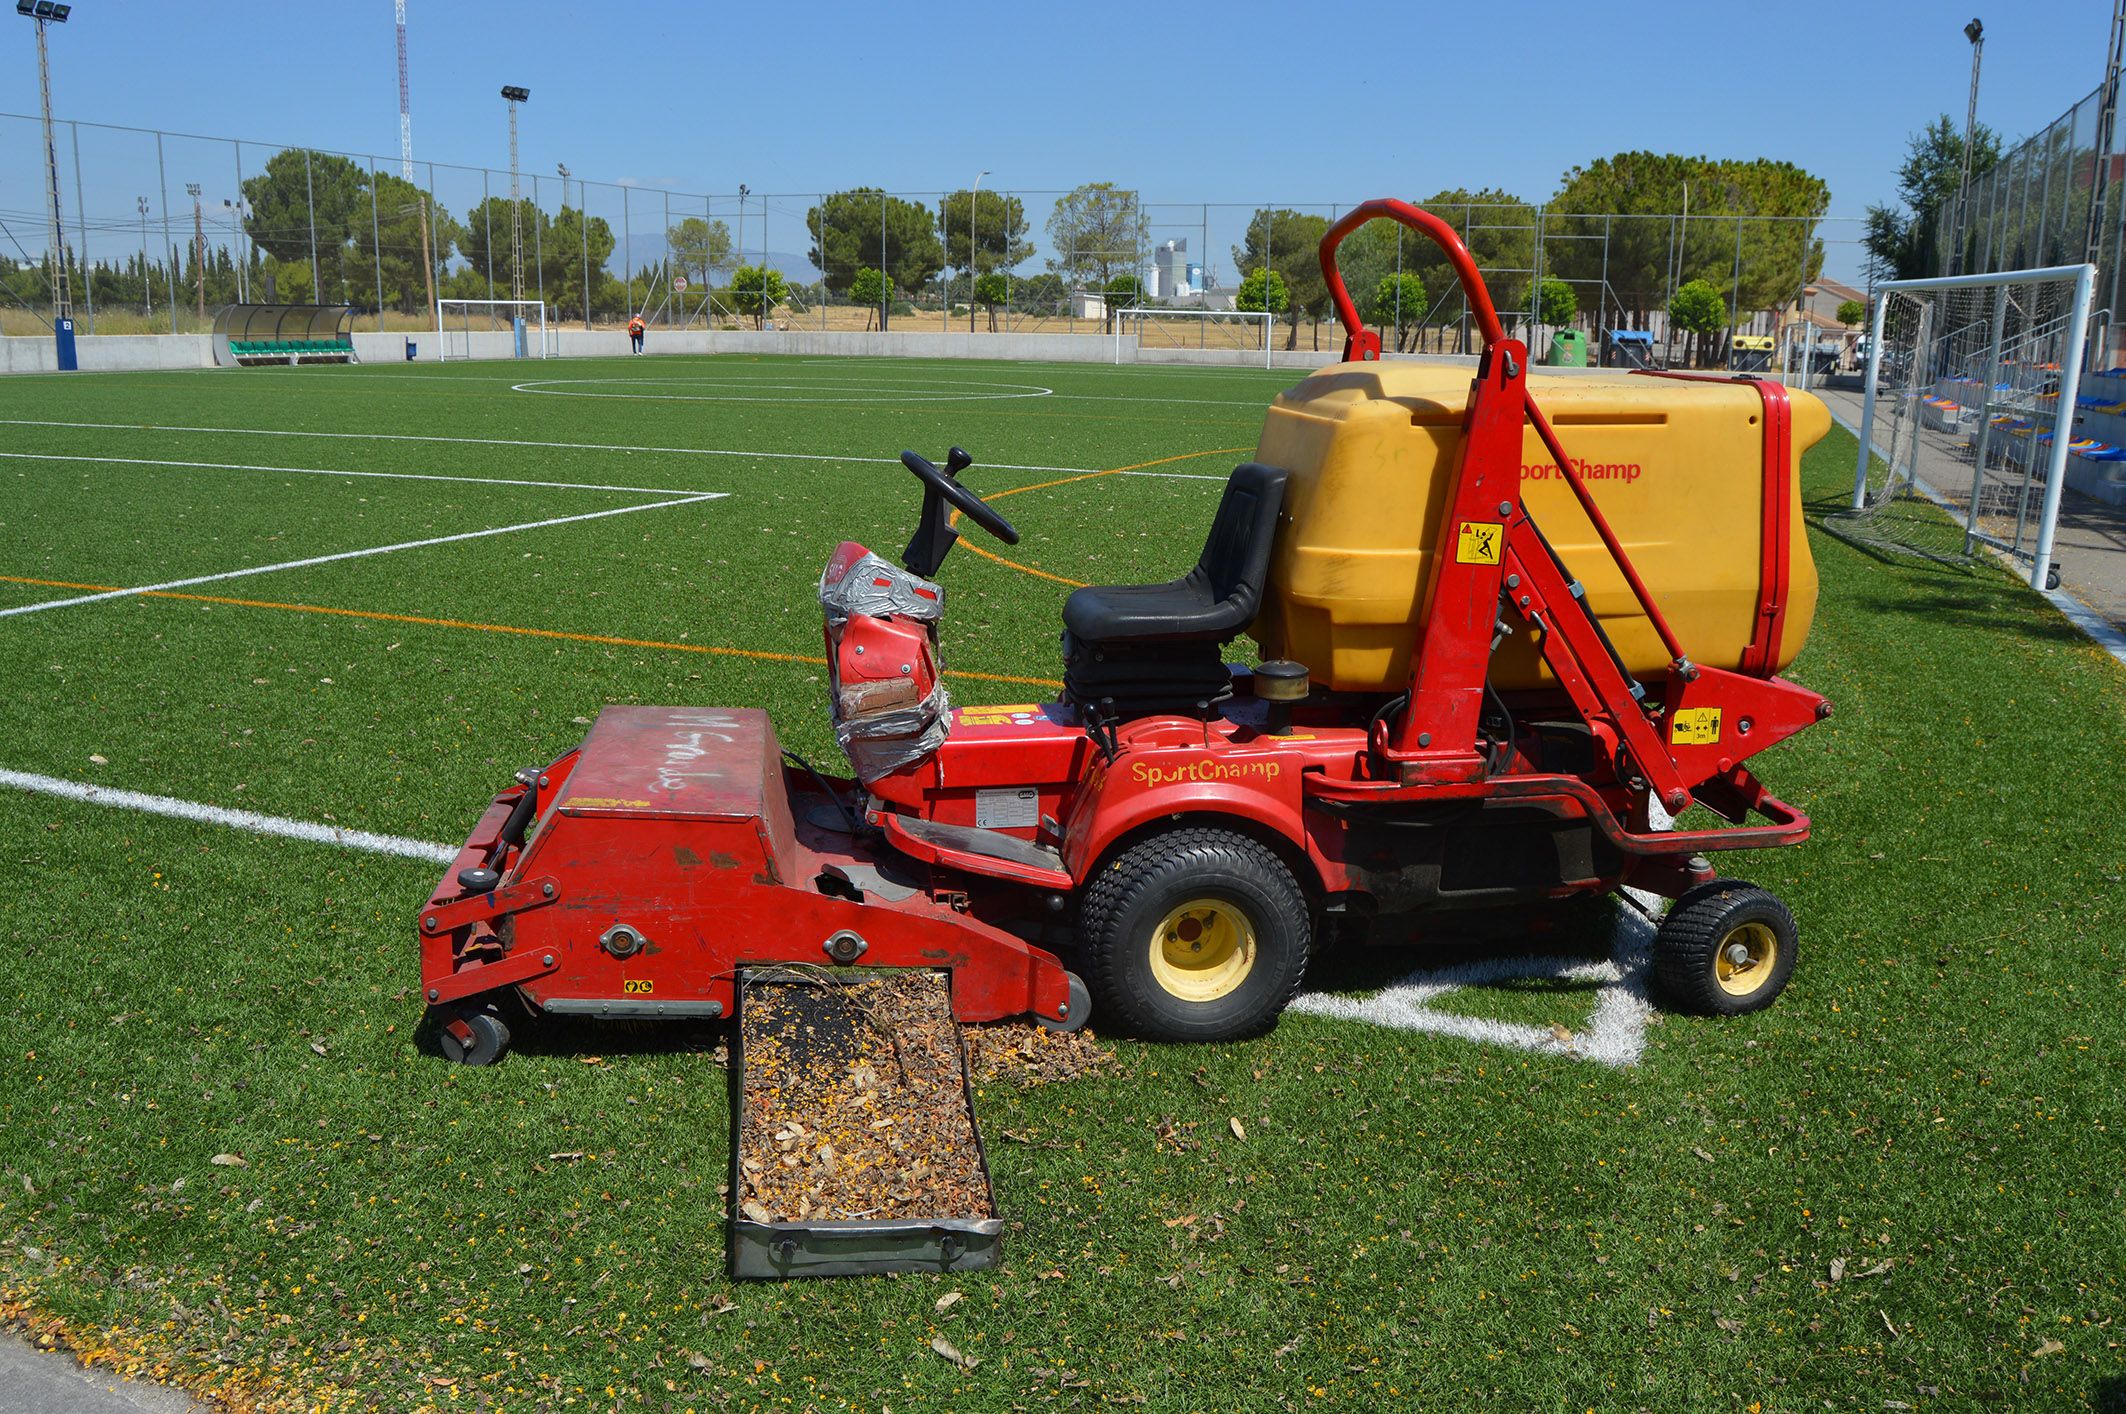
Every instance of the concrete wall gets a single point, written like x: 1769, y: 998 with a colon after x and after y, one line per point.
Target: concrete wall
x: 106, y: 352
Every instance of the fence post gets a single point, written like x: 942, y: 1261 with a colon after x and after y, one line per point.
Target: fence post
x: 243, y: 285
x: 487, y: 217
x: 539, y: 253
x: 317, y: 276
x: 162, y: 176
x: 376, y: 247
x: 1867, y: 403
x: 81, y: 224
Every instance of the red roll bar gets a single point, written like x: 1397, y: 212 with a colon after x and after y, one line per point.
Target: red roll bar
x: 1360, y: 342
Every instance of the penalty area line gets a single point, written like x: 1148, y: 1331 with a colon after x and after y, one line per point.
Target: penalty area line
x: 252, y: 821
x: 515, y: 442
x: 168, y: 585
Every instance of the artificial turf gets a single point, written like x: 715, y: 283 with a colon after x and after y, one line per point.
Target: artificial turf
x: 1900, y: 1186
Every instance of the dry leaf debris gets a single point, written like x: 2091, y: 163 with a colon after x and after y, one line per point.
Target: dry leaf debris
x: 854, y: 1103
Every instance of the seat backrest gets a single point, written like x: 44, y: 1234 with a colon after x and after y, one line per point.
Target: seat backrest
x: 1236, y: 555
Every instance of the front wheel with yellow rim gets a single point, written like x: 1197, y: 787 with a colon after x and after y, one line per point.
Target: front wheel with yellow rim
x: 1725, y: 948
x: 1195, y: 934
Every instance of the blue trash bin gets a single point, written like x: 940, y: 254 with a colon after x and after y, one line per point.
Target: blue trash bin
x: 412, y: 348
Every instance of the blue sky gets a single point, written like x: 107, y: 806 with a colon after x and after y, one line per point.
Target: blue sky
x: 1231, y: 103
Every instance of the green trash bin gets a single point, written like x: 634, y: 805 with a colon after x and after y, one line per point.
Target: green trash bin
x: 1568, y: 349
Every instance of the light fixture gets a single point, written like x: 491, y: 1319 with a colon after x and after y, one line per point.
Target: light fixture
x: 515, y: 94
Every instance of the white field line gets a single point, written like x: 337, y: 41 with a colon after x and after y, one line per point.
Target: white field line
x: 329, y: 471
x: 352, y: 555
x: 1613, y: 1034
x: 553, y: 446
x: 249, y: 820
x: 826, y: 394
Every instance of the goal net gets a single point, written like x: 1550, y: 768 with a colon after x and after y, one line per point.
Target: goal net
x: 1159, y: 330
x: 1969, y: 415
x: 492, y: 328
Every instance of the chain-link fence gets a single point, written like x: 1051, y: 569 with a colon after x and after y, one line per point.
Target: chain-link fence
x: 162, y: 228
x: 2055, y: 198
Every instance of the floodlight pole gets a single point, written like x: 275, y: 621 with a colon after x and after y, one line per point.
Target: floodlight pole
x: 62, y: 302
x: 974, y: 275
x: 515, y: 95
x: 1976, y: 33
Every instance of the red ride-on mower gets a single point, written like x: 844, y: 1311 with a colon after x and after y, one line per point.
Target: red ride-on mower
x: 1456, y: 710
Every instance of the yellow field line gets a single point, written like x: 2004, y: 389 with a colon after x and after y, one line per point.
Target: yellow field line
x: 425, y: 622
x: 995, y: 558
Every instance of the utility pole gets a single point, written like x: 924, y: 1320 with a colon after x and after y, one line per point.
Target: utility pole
x: 515, y: 94
x: 147, y: 281
x: 199, y: 252
x: 1976, y: 33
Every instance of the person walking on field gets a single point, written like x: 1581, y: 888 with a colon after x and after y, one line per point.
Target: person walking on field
x: 634, y: 332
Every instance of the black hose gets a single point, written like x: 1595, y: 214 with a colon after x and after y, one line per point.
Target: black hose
x: 856, y: 825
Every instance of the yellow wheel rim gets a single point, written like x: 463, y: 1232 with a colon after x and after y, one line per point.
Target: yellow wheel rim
x: 1745, y: 959
x: 1203, y: 950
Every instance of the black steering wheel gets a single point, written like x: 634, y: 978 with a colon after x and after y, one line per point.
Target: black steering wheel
x: 946, y: 484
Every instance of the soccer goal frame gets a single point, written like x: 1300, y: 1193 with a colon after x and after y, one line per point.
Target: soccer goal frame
x: 1140, y: 313
x: 455, y: 342
x: 1985, y: 368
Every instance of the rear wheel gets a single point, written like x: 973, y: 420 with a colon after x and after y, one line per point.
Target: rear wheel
x: 1195, y: 935
x: 1725, y: 948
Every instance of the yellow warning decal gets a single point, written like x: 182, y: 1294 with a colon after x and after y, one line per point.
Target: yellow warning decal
x: 637, y: 986
x: 1479, y: 542
x: 1695, y: 726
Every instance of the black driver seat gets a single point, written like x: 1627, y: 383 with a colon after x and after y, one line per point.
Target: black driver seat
x: 1134, y: 649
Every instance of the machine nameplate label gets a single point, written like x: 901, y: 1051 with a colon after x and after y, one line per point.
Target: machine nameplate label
x: 1695, y: 726
x: 1012, y: 808
x: 1479, y: 542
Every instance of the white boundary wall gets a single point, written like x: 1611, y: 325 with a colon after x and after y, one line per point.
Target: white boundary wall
x: 112, y: 352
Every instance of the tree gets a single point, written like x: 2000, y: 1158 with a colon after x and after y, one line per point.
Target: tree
x: 296, y: 184
x: 1555, y: 302
x: 1399, y: 304
x: 1287, y: 243
x: 990, y: 291
x: 1262, y: 289
x: 701, y: 248
x: 1122, y: 292
x: 1622, y: 219
x: 1851, y: 312
x: 865, y: 227
x: 999, y: 230
x: 756, y: 290
x: 1042, y: 294
x: 1097, y: 230
x: 1900, y: 238
x: 1698, y: 309
x: 397, y: 244
x: 489, y: 219
x: 564, y: 258
x: 869, y: 288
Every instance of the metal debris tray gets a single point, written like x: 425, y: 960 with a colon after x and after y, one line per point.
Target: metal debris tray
x: 854, y: 1147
